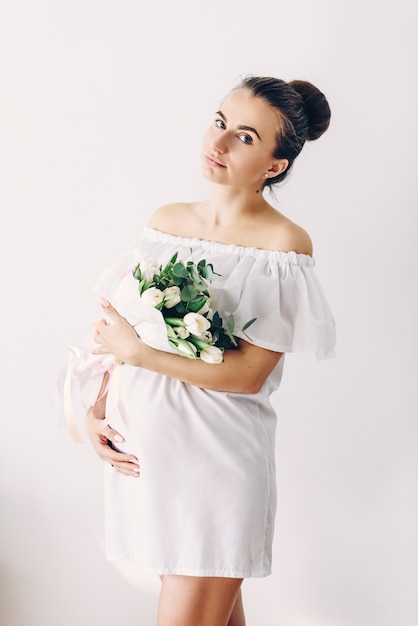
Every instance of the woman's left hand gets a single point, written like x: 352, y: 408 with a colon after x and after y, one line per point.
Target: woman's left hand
x: 116, y: 337
x: 102, y: 436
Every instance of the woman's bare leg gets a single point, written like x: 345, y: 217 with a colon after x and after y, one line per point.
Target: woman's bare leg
x: 197, y: 601
x: 237, y: 616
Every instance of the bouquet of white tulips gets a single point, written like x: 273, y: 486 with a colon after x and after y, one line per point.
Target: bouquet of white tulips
x: 180, y: 291
x: 170, y: 309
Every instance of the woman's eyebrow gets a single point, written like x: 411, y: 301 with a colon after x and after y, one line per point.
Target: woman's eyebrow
x: 241, y: 126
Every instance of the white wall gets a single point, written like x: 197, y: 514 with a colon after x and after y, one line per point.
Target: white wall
x: 103, y: 105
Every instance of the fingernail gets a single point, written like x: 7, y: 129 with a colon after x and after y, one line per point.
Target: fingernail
x: 104, y: 302
x: 136, y: 470
x: 117, y: 438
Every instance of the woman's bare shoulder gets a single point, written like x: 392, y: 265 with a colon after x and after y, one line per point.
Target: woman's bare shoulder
x: 169, y: 217
x: 282, y: 234
x: 166, y: 213
x: 292, y: 238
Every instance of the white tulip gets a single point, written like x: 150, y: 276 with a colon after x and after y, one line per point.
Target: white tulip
x: 149, y: 267
x: 212, y: 355
x: 172, y: 296
x: 181, y: 332
x: 206, y: 336
x: 152, y: 296
x: 196, y: 324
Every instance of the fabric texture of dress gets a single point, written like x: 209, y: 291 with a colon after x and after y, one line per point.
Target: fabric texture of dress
x: 205, y: 502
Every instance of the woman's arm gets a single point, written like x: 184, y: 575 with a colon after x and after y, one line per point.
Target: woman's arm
x: 244, y: 370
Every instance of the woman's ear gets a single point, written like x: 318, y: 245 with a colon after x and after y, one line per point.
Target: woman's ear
x: 278, y: 167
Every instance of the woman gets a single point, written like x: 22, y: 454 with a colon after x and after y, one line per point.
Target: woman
x: 200, y: 437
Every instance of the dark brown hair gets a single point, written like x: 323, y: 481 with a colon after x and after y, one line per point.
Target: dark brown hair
x: 304, y: 114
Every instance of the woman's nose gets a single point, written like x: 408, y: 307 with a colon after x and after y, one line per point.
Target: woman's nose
x: 219, y: 145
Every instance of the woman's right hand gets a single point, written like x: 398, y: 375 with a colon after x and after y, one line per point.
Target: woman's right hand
x: 101, y: 436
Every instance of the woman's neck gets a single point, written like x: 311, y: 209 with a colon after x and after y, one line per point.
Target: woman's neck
x: 227, y: 206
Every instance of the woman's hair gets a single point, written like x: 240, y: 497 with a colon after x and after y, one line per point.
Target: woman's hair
x: 304, y: 114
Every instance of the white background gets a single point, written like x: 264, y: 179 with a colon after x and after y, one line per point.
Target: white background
x: 103, y: 106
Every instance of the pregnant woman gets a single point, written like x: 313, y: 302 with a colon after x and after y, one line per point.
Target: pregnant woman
x: 197, y: 436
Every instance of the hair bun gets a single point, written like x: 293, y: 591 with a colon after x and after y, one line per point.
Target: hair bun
x: 317, y: 108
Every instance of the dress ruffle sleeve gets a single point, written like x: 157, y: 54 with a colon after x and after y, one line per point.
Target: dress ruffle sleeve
x: 283, y: 292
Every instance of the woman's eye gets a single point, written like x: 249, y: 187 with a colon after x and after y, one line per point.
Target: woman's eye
x: 246, y: 138
x: 220, y: 123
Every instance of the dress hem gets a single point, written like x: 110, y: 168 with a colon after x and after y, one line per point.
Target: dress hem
x: 188, y: 571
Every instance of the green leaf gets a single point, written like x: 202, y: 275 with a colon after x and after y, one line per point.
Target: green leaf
x: 199, y: 343
x: 143, y: 286
x: 185, y: 348
x: 189, y: 293
x: 176, y: 280
x: 174, y: 321
x: 137, y: 272
x: 207, y: 272
x: 170, y: 332
x: 233, y: 341
x: 230, y: 323
x: 177, y: 311
x: 195, y: 277
x: 195, y: 305
x: 169, y: 265
x: 248, y: 324
x: 180, y: 271
x: 217, y: 320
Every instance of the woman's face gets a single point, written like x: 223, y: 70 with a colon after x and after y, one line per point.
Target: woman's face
x: 238, y: 146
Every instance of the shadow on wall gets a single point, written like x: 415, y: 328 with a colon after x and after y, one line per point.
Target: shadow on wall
x: 57, y: 578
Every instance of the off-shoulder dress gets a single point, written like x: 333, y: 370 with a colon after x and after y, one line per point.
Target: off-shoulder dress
x: 205, y: 502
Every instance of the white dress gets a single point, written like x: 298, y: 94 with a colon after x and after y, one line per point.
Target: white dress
x: 204, y: 504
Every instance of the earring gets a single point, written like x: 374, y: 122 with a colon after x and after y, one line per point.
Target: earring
x: 266, y: 175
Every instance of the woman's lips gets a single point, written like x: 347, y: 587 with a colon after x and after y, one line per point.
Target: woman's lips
x: 213, y: 162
